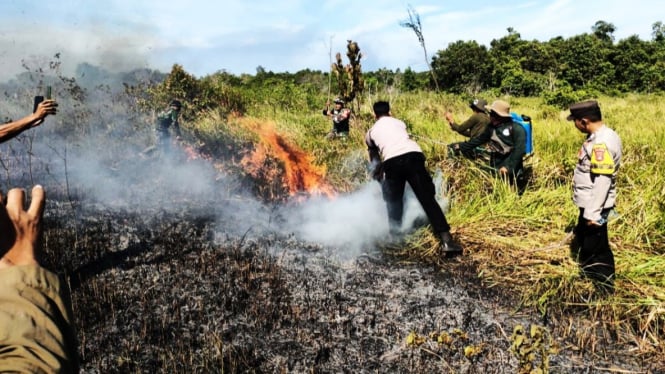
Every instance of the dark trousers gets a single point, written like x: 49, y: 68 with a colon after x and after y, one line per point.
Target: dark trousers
x: 410, y: 168
x: 163, y: 140
x: 595, y: 256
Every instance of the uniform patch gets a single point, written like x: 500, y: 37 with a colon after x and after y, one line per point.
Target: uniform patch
x: 599, y: 153
x: 602, y: 162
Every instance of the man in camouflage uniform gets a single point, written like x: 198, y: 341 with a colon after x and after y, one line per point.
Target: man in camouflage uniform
x: 165, y: 121
x: 594, y: 193
x: 473, y: 127
x: 340, y: 117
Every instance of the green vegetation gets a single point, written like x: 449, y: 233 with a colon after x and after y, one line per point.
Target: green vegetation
x: 590, y: 61
x: 518, y: 244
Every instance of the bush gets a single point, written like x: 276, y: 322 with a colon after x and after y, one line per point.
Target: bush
x: 565, y: 96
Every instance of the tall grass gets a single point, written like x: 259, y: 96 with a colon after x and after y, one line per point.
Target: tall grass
x: 520, y: 243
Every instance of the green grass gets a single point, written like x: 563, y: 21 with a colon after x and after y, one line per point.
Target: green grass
x: 520, y: 243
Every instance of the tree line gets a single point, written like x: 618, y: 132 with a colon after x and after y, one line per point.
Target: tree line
x: 590, y: 61
x: 560, y: 70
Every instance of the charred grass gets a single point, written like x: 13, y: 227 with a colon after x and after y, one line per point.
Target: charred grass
x: 164, y: 290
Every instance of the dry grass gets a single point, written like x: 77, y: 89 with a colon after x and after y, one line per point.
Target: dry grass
x: 520, y: 243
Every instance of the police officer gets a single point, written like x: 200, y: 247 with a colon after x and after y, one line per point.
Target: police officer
x: 505, y: 139
x: 594, y: 192
x: 167, y: 120
x: 340, y: 117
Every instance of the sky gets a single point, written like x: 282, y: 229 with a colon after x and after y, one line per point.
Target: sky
x: 238, y: 36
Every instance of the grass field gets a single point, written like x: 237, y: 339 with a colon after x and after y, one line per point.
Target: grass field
x: 520, y: 243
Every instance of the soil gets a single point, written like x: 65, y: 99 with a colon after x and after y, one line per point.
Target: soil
x: 184, y: 286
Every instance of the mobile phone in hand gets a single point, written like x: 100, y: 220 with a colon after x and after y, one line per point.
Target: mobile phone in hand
x: 38, y: 99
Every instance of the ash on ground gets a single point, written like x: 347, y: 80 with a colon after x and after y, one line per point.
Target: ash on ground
x: 165, y: 291
x: 191, y: 277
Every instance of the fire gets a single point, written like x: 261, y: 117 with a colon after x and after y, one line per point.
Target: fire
x: 301, y: 175
x: 193, y: 154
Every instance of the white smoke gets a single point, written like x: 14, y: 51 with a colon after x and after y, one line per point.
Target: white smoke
x: 108, y: 166
x: 354, y: 223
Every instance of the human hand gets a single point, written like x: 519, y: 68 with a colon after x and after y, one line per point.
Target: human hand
x: 45, y: 108
x: 20, y: 230
x: 597, y: 223
x: 449, y: 117
x: 378, y: 172
x: 453, y: 150
x: 503, y: 170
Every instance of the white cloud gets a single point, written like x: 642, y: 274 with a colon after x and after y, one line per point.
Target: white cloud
x: 288, y: 35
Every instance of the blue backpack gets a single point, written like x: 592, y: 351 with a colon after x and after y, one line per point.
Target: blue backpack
x: 525, y: 121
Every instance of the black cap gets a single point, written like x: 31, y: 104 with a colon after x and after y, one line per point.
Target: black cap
x: 584, y: 109
x: 176, y: 103
x: 479, y: 104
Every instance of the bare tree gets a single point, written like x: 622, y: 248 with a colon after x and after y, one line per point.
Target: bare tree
x: 414, y: 24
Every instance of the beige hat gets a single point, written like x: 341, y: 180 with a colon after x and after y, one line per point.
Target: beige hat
x: 500, y: 107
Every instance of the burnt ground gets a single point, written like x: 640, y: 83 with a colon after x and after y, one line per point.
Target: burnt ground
x: 172, y: 294
x: 180, y: 286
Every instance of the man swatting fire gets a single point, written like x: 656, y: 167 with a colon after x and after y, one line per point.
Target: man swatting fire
x: 404, y: 161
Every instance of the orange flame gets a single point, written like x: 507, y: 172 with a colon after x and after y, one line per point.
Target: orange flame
x: 301, y: 175
x: 193, y: 154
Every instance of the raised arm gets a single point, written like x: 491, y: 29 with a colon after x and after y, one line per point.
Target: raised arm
x: 12, y: 129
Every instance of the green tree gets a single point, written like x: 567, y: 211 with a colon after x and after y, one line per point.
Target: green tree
x: 180, y: 85
x: 604, y: 31
x: 412, y: 81
x: 631, y: 58
x: 503, y: 52
x: 658, y: 32
x: 519, y: 82
x: 583, y: 62
x: 464, y: 66
x: 654, y: 76
x: 381, y: 80
x: 537, y: 57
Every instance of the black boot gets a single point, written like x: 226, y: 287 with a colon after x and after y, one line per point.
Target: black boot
x: 448, y: 245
